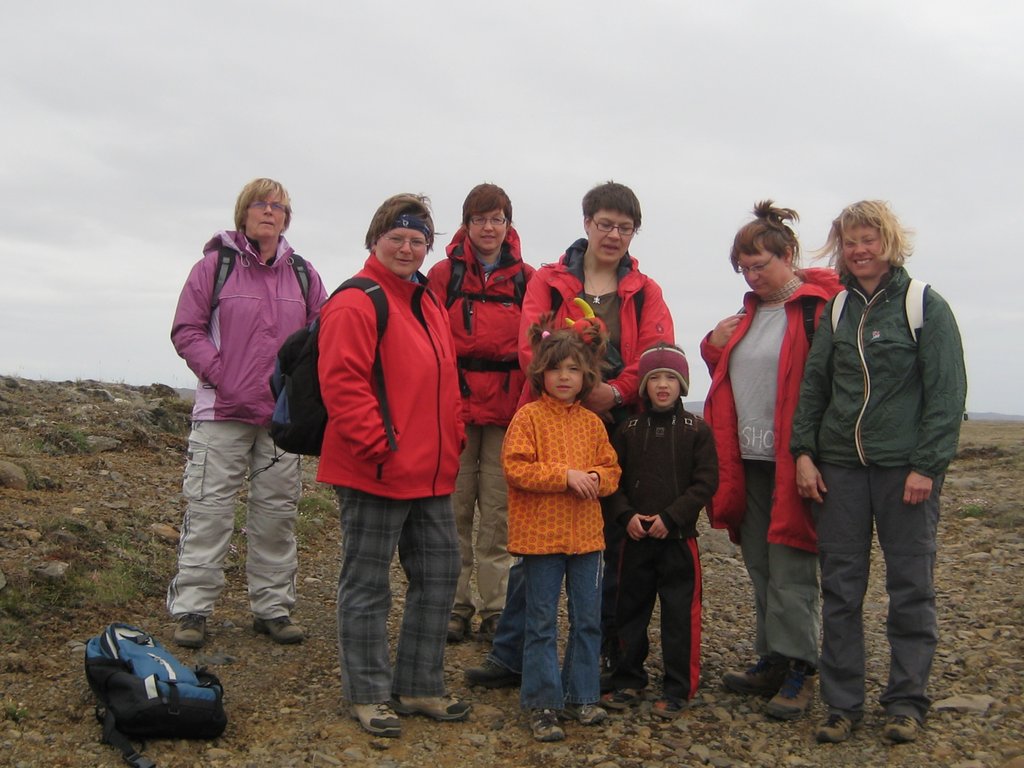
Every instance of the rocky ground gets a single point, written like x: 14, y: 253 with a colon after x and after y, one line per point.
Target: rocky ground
x: 89, y: 504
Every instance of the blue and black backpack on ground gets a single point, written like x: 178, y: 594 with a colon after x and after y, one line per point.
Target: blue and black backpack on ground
x: 143, y: 692
x: 300, y: 418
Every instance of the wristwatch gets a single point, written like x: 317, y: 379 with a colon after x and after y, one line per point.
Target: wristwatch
x: 616, y: 394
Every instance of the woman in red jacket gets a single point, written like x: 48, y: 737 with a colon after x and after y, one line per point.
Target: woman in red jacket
x: 756, y: 358
x: 393, y: 476
x: 482, y: 283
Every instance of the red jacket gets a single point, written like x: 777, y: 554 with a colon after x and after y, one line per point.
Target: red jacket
x: 422, y: 385
x: 566, y: 277
x: 791, y: 523
x: 485, y: 326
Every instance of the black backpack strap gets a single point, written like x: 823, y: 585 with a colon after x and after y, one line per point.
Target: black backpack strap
x: 809, y: 304
x: 380, y: 304
x: 455, y: 282
x: 225, y: 263
x: 301, y: 274
x: 119, y: 741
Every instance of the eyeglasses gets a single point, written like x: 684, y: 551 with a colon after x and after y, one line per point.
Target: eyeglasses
x: 624, y: 229
x: 416, y: 243
x: 755, y: 269
x: 494, y: 221
x: 262, y: 204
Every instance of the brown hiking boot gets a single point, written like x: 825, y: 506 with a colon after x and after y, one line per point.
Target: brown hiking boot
x: 836, y: 729
x: 763, y: 679
x: 900, y: 729
x: 795, y: 694
x: 281, y: 630
x: 191, y: 631
x: 458, y: 628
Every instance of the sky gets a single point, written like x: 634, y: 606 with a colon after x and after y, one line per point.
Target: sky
x: 128, y: 130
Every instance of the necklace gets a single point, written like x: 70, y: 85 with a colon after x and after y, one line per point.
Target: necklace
x: 597, y: 294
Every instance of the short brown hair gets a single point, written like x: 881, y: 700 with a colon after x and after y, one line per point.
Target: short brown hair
x: 261, y: 189
x: 550, y: 347
x: 483, y: 198
x: 767, y: 232
x: 897, y: 241
x: 612, y: 196
x: 384, y: 218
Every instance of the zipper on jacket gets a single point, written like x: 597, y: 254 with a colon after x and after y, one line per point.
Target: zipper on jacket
x: 857, y: 439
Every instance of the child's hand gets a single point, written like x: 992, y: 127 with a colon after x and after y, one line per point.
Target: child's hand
x: 583, y: 484
x: 635, y: 528
x: 657, y: 529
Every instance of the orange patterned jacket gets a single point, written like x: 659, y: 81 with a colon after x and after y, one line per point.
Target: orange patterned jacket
x: 545, y: 439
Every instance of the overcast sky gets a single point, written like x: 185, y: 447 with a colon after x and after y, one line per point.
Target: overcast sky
x: 129, y: 128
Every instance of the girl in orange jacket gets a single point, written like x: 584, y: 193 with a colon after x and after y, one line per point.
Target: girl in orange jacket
x: 558, y: 462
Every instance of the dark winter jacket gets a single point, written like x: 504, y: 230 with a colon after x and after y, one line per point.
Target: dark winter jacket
x: 669, y: 468
x: 872, y: 396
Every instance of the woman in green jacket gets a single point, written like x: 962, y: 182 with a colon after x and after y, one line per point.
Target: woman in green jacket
x: 876, y: 426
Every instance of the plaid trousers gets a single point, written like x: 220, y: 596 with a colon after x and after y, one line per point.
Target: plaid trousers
x: 423, y: 532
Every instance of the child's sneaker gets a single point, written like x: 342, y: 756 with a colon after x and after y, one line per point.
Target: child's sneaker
x: 544, y: 725
x: 584, y: 714
x: 668, y: 707
x: 622, y: 698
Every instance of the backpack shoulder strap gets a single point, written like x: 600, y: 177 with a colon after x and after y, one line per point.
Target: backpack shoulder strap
x: 455, y: 282
x: 225, y: 264
x: 914, y: 306
x: 638, y: 302
x: 809, y: 303
x: 837, y: 308
x: 301, y: 274
x: 380, y: 305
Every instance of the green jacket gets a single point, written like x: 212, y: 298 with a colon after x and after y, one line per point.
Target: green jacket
x: 871, y: 395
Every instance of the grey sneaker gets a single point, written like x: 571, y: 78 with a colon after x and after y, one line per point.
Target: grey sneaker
x: 900, y: 729
x: 191, y: 631
x: 378, y: 719
x: 835, y: 729
x: 281, y: 630
x: 584, y: 714
x: 544, y: 725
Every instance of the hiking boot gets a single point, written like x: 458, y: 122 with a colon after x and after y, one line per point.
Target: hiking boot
x: 763, y: 679
x: 488, y: 627
x: 191, y: 631
x: 584, y: 714
x: 458, y: 626
x: 378, y: 719
x: 795, y: 694
x: 491, y: 674
x: 446, y: 708
x: 281, y: 630
x: 836, y: 729
x: 668, y: 707
x: 900, y: 729
x: 622, y: 698
x: 544, y: 725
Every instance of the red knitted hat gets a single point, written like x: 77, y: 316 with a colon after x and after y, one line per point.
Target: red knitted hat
x: 666, y: 358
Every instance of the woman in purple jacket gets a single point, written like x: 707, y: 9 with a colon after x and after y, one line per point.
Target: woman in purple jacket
x: 240, y: 302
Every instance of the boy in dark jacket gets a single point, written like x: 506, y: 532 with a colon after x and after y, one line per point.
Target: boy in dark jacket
x: 669, y: 472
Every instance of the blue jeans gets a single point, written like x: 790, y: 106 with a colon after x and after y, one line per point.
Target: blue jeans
x: 507, y: 646
x: 578, y: 682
